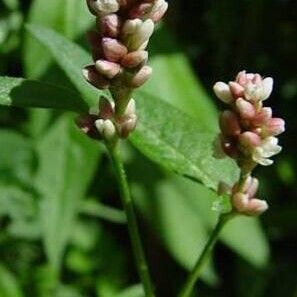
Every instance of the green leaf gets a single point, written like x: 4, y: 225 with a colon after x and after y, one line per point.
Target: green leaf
x: 176, y: 142
x: 20, y: 92
x: 174, y: 81
x: 243, y: 235
x: 247, y: 238
x: 16, y: 158
x: 69, y: 17
x: 133, y: 291
x: 70, y: 57
x: 94, y: 208
x: 9, y: 286
x: 163, y: 203
x: 67, y: 164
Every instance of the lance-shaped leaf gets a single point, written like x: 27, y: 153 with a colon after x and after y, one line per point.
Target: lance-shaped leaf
x: 21, y: 92
x: 175, y: 141
x: 70, y: 57
x: 166, y: 135
x: 67, y: 161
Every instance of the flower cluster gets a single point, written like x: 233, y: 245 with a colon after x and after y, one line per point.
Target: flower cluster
x: 124, y: 28
x: 248, y: 128
x: 248, y: 133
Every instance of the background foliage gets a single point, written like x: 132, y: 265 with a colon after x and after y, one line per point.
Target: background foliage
x: 62, y: 231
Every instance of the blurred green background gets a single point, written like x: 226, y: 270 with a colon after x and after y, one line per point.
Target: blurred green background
x: 62, y: 231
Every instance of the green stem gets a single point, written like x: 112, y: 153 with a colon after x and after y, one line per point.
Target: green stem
x: 131, y: 220
x: 196, y: 272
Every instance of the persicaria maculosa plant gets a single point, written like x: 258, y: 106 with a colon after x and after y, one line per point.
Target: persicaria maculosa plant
x: 248, y: 129
x: 248, y: 135
x: 124, y: 28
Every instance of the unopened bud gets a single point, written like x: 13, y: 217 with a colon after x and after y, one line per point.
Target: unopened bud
x: 275, y: 126
x: 256, y: 207
x: 131, y: 108
x: 127, y: 126
x: 113, y: 49
x: 229, y: 123
x: 245, y: 109
x: 134, y: 59
x: 108, y: 69
x: 262, y: 117
x: 236, y: 89
x: 106, y: 128
x: 249, y: 140
x: 94, y: 78
x: 138, y: 33
x: 222, y: 91
x: 103, y: 7
x: 158, y: 11
x: 141, y: 76
x: 109, y: 25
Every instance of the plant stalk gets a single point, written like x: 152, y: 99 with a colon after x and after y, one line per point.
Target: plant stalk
x: 127, y: 202
x: 204, y: 257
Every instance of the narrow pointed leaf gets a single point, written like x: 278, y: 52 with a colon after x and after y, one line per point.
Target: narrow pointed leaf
x: 70, y: 57
x: 21, y: 92
x: 67, y: 163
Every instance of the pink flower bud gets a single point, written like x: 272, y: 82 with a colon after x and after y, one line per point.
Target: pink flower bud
x: 256, y: 207
x: 240, y: 202
x: 159, y: 9
x: 109, y: 25
x: 253, y: 187
x: 113, y: 49
x: 229, y: 124
x: 262, y: 117
x: 223, y: 92
x: 249, y: 140
x: 275, y: 126
x: 141, y: 76
x: 103, y: 7
x: 94, y: 78
x: 108, y: 69
x: 134, y: 59
x: 245, y: 109
x: 127, y: 126
x: 236, y: 89
x: 141, y: 10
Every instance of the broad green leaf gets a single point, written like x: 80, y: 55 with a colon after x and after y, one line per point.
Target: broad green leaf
x: 174, y: 81
x: 163, y: 203
x: 9, y: 286
x: 243, y: 235
x: 70, y: 57
x: 177, y: 224
x: 20, y: 92
x: 174, y: 140
x: 69, y: 17
x: 67, y: 164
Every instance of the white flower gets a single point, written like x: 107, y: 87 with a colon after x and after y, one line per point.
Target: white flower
x: 106, y: 128
x: 138, y: 33
x: 268, y: 148
x: 258, y: 91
